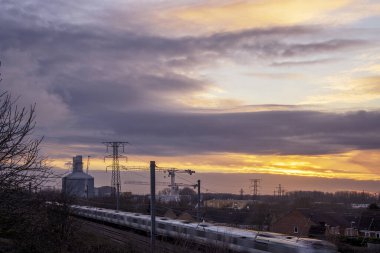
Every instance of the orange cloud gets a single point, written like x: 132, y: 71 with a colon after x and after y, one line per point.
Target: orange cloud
x: 236, y: 15
x: 358, y: 165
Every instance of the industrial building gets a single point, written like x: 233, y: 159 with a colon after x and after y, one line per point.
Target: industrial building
x: 104, y: 191
x: 228, y: 203
x: 78, y: 183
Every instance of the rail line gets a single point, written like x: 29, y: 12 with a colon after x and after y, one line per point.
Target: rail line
x: 198, y: 237
x: 137, y: 242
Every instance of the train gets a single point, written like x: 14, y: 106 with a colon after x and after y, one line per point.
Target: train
x: 235, y: 239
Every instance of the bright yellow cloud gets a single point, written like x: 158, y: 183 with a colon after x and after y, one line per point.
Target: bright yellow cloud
x: 358, y: 165
x: 249, y: 14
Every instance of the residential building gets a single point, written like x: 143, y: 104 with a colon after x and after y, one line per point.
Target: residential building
x: 311, y: 223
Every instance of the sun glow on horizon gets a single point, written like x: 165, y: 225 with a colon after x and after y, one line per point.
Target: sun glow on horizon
x: 349, y: 165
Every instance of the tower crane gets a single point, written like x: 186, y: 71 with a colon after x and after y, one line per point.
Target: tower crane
x: 195, y: 186
x: 173, y: 185
x: 160, y: 183
x: 171, y: 173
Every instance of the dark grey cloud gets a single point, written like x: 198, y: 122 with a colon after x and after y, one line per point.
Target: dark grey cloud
x: 72, y: 56
x: 321, y: 47
x: 95, y: 83
x: 88, y: 41
x: 271, y: 132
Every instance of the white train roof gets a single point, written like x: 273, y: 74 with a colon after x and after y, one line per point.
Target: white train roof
x: 209, y: 227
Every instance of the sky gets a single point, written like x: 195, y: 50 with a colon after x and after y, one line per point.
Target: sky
x: 258, y: 88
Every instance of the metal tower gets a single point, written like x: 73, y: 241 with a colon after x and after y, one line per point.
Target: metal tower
x: 280, y: 191
x: 115, y: 181
x: 255, y: 183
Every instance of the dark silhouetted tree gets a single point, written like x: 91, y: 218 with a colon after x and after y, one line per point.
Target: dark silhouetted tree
x: 21, y: 167
x: 373, y: 206
x: 22, y: 172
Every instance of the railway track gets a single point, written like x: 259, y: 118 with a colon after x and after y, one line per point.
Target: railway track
x: 107, y: 232
x: 138, y: 243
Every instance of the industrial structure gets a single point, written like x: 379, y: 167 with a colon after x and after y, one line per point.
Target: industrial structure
x: 115, y: 181
x: 174, y: 187
x: 255, y: 184
x: 280, y: 191
x: 78, y: 183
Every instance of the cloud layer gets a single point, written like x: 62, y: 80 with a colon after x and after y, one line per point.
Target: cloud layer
x: 95, y: 80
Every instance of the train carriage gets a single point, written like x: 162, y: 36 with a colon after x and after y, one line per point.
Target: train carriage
x: 239, y: 240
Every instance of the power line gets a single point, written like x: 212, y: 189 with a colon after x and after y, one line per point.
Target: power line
x: 204, y: 188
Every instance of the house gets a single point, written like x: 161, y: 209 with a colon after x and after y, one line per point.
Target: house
x: 311, y: 223
x: 369, y: 224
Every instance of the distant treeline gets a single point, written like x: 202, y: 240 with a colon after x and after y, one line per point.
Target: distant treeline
x: 345, y: 197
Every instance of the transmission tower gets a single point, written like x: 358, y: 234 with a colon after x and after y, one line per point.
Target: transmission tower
x: 241, y: 193
x: 115, y: 181
x: 255, y: 183
x: 280, y: 191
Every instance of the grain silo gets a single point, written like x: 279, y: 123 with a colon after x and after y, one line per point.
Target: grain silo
x: 78, y: 183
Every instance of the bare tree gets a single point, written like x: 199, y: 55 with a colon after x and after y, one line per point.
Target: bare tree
x: 21, y: 166
x: 22, y: 169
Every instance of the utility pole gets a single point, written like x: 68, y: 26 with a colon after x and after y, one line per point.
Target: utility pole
x: 241, y: 193
x: 115, y: 181
x: 153, y: 205
x: 88, y: 165
x: 171, y: 172
x: 199, y: 201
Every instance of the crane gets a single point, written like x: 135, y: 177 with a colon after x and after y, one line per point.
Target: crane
x: 171, y: 173
x: 69, y: 166
x: 159, y: 183
x: 173, y: 185
x: 197, y: 185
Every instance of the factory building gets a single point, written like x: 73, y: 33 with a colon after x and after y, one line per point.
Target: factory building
x: 104, y: 191
x: 78, y: 183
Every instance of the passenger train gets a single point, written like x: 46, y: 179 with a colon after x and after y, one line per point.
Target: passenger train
x: 238, y: 240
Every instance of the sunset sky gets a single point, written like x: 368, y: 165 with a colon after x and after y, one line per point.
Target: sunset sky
x: 284, y: 87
